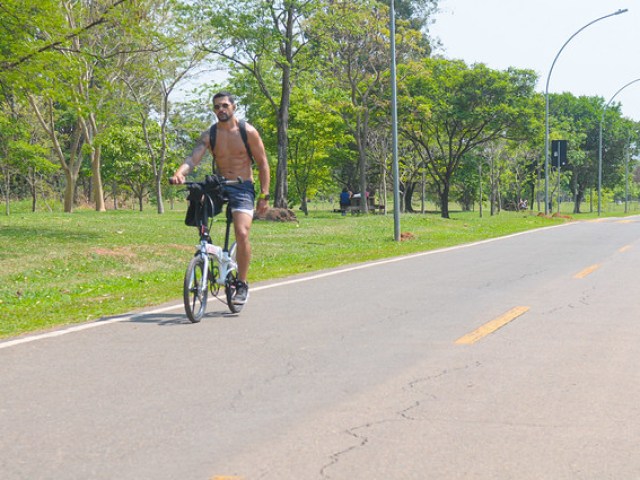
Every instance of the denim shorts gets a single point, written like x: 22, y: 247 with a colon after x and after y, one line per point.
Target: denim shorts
x: 241, y: 197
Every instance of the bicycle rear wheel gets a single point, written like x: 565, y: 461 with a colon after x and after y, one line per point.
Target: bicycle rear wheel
x: 195, y: 294
x: 230, y: 283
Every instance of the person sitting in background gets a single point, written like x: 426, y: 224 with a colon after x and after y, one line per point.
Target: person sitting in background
x: 345, y: 200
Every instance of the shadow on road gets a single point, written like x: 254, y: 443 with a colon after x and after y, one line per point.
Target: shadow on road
x: 168, y: 319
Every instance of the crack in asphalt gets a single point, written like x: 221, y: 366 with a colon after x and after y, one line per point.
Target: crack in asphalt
x: 399, y: 416
x: 240, y: 393
x: 362, y: 441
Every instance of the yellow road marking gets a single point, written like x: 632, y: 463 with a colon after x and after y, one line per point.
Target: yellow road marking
x: 226, y: 477
x: 625, y: 221
x: 624, y: 249
x: 587, y: 271
x: 491, y: 326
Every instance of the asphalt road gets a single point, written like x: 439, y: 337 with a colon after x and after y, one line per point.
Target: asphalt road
x: 509, y: 359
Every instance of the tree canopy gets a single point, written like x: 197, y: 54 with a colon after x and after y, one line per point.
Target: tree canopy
x: 89, y: 110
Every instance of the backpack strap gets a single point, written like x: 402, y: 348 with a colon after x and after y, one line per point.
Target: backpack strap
x: 243, y: 133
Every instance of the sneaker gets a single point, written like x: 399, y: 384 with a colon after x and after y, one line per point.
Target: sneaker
x: 242, y: 293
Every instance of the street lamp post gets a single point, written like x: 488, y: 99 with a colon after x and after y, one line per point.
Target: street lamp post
x: 480, y: 189
x: 394, y: 126
x: 546, y: 112
x: 626, y: 176
x: 600, y: 142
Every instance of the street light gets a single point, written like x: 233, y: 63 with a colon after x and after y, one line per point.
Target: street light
x: 394, y: 126
x: 600, y: 142
x: 546, y: 111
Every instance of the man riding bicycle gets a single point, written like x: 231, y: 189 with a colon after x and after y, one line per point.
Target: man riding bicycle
x: 232, y: 159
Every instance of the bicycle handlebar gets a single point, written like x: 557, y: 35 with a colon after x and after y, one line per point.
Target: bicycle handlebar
x: 222, y: 180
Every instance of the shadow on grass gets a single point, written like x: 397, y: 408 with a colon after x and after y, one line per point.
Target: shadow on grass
x: 38, y: 231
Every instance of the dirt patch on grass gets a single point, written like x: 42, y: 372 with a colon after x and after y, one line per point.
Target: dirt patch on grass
x: 557, y: 215
x: 404, y: 236
x: 278, y: 215
x: 121, y: 252
x: 182, y: 248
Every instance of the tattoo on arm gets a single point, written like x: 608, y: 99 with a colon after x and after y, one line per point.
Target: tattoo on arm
x: 197, y: 153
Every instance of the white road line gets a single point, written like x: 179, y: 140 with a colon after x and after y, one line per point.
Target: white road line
x: 128, y: 317
x: 85, y: 326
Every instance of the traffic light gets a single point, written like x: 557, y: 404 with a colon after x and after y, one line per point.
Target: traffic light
x: 558, y: 153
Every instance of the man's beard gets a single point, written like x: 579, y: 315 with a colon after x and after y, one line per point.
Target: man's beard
x: 223, y: 117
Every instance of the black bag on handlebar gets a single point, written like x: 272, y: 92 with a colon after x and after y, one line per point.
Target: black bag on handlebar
x: 205, y: 201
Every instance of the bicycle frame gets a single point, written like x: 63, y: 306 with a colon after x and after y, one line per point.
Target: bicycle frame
x: 208, y: 250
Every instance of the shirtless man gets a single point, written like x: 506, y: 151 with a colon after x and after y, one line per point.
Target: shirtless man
x: 232, y: 161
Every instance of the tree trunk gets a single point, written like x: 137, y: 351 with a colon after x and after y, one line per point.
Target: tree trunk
x: 71, y: 167
x: 34, y: 195
x: 281, y: 191
x: 383, y: 193
x: 282, y: 188
x: 532, y: 195
x: 364, y: 208
x: 90, y: 129
x: 69, y: 190
x: 159, y: 196
x: 114, y: 192
x: 361, y: 134
x: 411, y: 186
x: 7, y: 192
x: 444, y: 199
x: 579, y: 196
x: 96, y: 179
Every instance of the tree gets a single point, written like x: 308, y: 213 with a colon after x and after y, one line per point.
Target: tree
x: 74, y: 82
x: 164, y: 55
x: 65, y: 134
x: 25, y: 24
x: 496, y: 154
x: 28, y: 50
x: 519, y: 174
x: 352, y: 41
x: 21, y: 156
x: 127, y: 159
x: 60, y: 58
x: 417, y: 12
x: 577, y: 119
x: 268, y: 40
x: 451, y: 109
x: 312, y: 135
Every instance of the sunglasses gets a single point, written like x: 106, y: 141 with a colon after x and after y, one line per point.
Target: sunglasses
x: 218, y: 106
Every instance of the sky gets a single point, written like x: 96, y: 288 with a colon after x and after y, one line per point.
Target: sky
x: 600, y: 60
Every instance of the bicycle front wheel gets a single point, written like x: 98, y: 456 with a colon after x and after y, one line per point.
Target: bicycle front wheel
x: 195, y: 293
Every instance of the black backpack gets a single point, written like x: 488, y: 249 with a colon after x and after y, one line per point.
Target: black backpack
x: 243, y: 133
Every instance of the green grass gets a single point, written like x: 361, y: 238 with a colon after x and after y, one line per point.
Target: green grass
x: 62, y: 268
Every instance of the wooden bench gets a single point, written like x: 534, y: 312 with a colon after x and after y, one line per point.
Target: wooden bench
x: 355, y: 209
